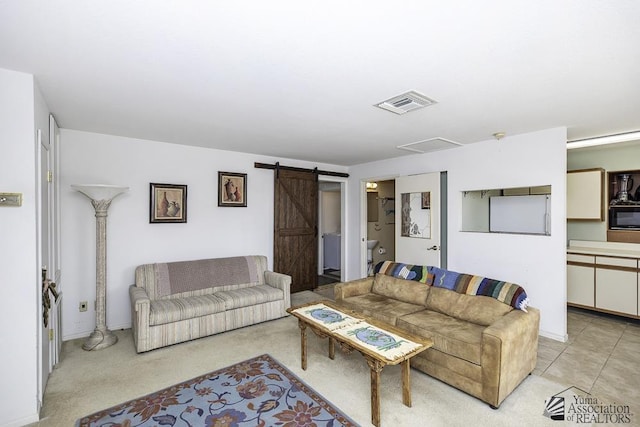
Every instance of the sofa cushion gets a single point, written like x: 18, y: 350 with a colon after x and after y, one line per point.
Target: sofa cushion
x: 253, y: 295
x: 473, y: 308
x: 173, y: 310
x: 380, y: 307
x: 453, y: 336
x: 400, y: 289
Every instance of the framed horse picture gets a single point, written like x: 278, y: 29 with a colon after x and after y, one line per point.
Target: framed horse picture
x: 232, y: 189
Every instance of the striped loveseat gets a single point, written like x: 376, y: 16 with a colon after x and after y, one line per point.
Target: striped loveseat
x: 180, y: 301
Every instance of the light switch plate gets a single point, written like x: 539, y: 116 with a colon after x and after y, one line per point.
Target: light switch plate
x: 10, y: 199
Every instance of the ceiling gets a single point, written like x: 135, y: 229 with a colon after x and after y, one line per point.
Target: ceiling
x: 299, y: 79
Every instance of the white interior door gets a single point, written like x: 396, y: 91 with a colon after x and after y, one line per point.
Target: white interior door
x: 45, y: 258
x: 49, y: 243
x: 418, y: 219
x: 55, y: 315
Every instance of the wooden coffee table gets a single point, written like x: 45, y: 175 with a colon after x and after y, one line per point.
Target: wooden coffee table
x: 379, y: 343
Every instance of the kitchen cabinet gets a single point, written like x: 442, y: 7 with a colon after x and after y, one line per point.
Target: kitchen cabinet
x: 585, y: 194
x: 604, y: 276
x: 581, y: 280
x: 614, y: 199
x: 617, y: 284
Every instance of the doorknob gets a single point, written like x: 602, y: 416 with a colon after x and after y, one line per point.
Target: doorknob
x: 434, y: 248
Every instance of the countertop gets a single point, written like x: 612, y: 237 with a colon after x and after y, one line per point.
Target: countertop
x: 626, y: 250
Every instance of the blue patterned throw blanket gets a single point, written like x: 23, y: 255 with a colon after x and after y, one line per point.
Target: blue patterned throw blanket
x: 418, y: 273
x: 506, y: 292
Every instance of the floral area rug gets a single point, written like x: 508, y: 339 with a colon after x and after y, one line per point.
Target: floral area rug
x: 257, y: 392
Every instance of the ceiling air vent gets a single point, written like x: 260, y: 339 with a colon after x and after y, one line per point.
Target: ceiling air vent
x: 429, y: 145
x: 406, y: 102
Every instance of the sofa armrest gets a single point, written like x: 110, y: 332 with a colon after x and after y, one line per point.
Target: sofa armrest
x: 353, y: 288
x: 509, y: 353
x: 282, y: 282
x: 140, y: 313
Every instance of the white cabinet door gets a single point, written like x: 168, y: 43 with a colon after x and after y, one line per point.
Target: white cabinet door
x: 581, y: 279
x: 585, y: 194
x: 617, y: 284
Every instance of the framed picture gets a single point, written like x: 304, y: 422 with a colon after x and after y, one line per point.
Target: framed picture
x: 168, y: 203
x: 426, y: 200
x: 232, y: 189
x: 415, y: 218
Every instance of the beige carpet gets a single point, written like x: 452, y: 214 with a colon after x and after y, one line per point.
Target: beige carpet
x: 85, y: 382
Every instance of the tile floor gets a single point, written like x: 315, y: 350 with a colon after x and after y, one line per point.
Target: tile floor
x: 601, y: 357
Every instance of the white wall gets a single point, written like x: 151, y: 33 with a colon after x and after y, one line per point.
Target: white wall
x: 538, y: 263
x: 18, y: 266
x: 210, y: 231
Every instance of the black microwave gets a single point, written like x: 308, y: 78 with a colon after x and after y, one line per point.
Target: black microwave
x: 624, y: 217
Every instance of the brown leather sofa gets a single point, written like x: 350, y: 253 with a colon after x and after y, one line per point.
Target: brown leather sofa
x: 482, y: 346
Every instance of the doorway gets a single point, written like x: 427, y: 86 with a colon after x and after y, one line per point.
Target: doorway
x: 418, y: 204
x: 331, y: 203
x: 380, y: 215
x: 295, y: 227
x: 384, y: 196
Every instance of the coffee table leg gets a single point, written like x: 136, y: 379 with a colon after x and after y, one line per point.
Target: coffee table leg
x: 406, y: 383
x: 332, y: 348
x: 376, y: 368
x: 303, y: 343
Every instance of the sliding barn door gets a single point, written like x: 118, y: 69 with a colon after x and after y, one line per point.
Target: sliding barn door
x: 295, y: 240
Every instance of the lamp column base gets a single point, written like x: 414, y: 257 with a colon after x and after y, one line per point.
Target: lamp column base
x: 100, y: 339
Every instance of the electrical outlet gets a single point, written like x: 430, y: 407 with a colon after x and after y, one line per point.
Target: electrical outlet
x: 83, y: 306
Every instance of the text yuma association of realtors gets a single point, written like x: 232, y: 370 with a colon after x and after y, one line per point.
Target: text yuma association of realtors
x: 588, y: 410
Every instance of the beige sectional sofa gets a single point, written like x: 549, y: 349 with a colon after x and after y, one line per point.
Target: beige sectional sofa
x: 180, y: 301
x: 482, y: 346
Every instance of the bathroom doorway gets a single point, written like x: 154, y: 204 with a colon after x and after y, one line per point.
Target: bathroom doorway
x: 330, y: 220
x: 380, y: 233
x: 380, y: 222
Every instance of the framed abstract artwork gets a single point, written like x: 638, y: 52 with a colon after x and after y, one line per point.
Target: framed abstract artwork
x: 168, y: 203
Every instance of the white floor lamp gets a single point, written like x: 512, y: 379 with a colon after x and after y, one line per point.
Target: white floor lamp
x: 101, y: 196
